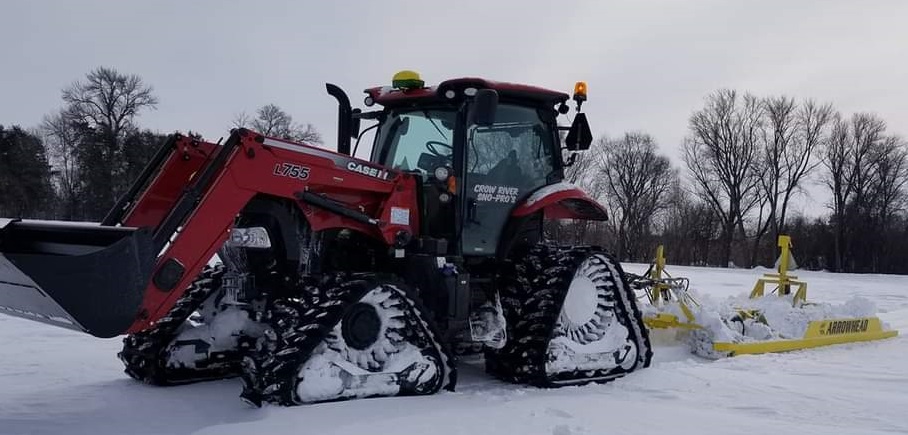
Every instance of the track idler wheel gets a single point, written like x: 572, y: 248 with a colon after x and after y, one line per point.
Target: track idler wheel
x: 572, y: 319
x: 346, y: 339
x: 147, y: 355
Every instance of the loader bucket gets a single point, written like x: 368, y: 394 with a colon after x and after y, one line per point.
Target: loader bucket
x: 84, y: 277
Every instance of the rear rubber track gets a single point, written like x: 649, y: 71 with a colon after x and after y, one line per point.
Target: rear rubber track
x: 298, y: 326
x: 533, y: 290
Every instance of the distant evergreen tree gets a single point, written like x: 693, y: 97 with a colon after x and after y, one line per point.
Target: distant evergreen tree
x: 139, y: 148
x: 25, y: 177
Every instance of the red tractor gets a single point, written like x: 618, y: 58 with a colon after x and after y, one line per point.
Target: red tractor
x: 315, y: 275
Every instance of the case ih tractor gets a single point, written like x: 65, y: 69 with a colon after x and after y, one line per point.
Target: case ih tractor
x: 316, y: 276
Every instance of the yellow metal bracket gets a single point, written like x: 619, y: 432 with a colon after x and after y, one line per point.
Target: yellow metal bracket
x: 662, y: 291
x: 783, y: 281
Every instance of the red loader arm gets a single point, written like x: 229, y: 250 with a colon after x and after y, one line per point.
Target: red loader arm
x: 189, y: 195
x: 333, y: 190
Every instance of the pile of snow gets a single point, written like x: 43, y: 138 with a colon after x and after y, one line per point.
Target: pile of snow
x: 774, y: 318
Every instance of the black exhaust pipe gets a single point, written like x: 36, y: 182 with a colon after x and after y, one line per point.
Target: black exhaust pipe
x: 344, y: 118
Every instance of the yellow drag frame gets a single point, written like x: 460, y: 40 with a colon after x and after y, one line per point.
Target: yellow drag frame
x: 819, y: 332
x: 661, y: 288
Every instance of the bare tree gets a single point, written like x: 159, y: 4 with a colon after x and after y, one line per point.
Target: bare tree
x: 791, y: 135
x: 688, y: 227
x: 813, y: 121
x: 61, y: 138
x: 836, y: 159
x: 584, y: 164
x: 242, y: 120
x: 107, y: 100
x: 308, y: 133
x: 271, y: 120
x: 885, y: 200
x: 849, y: 158
x: 722, y: 155
x: 777, y: 137
x: 637, y: 184
x: 891, y: 163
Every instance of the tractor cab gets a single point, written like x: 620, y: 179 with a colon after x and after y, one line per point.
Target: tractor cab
x: 480, y: 149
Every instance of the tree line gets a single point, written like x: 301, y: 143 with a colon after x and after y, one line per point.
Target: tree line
x: 746, y: 161
x: 83, y: 156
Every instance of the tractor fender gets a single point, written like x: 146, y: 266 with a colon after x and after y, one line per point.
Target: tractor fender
x: 561, y: 201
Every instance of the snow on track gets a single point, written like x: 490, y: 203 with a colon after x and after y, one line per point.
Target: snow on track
x: 54, y: 381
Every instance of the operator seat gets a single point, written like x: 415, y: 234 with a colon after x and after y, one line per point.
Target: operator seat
x: 507, y: 170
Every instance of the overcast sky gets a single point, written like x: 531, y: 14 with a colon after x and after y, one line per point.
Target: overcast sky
x: 648, y: 64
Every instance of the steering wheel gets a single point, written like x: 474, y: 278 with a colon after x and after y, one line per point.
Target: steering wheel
x: 430, y: 145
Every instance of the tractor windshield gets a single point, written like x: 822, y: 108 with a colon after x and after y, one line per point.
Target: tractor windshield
x: 418, y: 139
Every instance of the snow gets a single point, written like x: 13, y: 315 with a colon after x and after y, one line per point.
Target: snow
x: 785, y: 320
x: 56, y: 381
x: 221, y: 333
x: 580, y: 302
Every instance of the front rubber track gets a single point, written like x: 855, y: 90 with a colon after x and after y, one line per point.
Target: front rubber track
x: 296, y: 327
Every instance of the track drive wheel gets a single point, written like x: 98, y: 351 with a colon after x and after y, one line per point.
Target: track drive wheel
x: 348, y: 337
x: 572, y: 319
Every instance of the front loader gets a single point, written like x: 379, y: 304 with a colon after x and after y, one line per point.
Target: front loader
x: 315, y: 275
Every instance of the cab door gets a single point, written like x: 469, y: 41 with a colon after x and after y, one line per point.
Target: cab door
x: 420, y: 141
x: 504, y: 163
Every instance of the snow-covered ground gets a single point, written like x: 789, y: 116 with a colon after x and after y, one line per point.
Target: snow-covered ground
x: 53, y: 381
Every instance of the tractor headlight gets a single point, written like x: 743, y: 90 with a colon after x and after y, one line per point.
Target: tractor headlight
x: 252, y: 237
x: 442, y: 173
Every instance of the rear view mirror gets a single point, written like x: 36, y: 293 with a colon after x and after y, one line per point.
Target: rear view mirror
x: 579, y: 137
x: 482, y: 111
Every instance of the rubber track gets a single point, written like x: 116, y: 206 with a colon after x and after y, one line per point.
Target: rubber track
x: 144, y: 353
x: 299, y: 325
x: 533, y: 289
